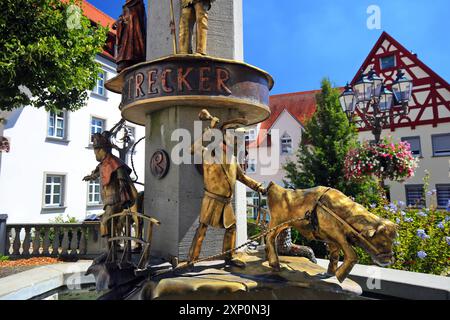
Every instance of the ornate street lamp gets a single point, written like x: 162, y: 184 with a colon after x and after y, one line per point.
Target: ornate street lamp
x: 375, y: 101
x: 386, y: 100
x: 377, y: 83
x: 402, y: 88
x: 363, y: 89
x: 347, y: 100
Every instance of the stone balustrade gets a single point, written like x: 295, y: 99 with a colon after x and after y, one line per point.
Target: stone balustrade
x: 80, y: 240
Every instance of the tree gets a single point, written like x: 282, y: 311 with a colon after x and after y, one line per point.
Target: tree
x: 320, y: 161
x: 47, y: 54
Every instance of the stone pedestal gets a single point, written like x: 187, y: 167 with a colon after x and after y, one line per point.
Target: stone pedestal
x: 166, y: 94
x: 176, y: 200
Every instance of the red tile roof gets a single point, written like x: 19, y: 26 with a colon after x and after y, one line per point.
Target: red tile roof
x: 301, y: 105
x: 98, y: 16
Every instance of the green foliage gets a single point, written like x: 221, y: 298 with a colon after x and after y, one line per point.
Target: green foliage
x: 252, y: 228
x: 49, y: 48
x: 329, y: 136
x: 419, y: 230
x: 4, y: 258
x: 61, y: 219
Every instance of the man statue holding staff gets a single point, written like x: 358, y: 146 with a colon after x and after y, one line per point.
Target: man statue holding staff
x: 220, y: 173
x: 194, y: 12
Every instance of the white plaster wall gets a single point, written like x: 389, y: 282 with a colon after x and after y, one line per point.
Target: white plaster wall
x: 22, y: 170
x: 285, y: 123
x: 439, y: 167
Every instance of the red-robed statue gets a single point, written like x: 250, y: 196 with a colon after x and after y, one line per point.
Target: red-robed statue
x: 131, y: 35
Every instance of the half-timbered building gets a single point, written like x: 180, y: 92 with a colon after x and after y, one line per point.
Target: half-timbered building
x: 426, y: 127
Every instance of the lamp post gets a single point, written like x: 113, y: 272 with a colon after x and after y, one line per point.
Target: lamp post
x: 371, y: 96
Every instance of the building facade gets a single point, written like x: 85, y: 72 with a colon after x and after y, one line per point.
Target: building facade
x: 426, y: 127
x: 50, y: 153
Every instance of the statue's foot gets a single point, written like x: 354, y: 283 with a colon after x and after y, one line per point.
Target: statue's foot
x: 235, y: 263
x: 185, y: 266
x: 275, y: 267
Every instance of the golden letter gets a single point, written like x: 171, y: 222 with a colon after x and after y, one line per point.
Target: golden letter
x: 165, y: 88
x: 151, y: 82
x: 139, y: 80
x: 182, y: 79
x: 223, y: 76
x: 204, y: 81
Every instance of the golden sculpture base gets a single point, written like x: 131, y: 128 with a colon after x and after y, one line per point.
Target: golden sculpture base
x: 193, y: 81
x: 298, y: 280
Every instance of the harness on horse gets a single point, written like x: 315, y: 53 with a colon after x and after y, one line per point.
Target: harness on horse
x: 315, y: 222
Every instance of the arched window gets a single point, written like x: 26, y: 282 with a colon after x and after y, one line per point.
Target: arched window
x: 286, y: 144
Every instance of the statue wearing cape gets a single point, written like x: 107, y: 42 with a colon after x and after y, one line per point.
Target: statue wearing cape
x: 131, y: 35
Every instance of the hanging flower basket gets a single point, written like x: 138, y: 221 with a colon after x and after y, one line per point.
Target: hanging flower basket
x: 385, y: 160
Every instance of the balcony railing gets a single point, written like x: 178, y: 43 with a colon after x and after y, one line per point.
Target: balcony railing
x: 80, y: 240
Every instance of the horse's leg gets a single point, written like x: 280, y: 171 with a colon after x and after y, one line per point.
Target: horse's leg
x: 271, y: 251
x: 334, y: 257
x: 350, y: 259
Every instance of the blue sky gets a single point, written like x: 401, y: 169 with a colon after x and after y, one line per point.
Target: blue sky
x: 301, y: 41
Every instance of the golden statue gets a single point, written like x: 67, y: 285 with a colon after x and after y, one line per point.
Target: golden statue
x: 194, y: 12
x: 326, y: 214
x: 219, y: 181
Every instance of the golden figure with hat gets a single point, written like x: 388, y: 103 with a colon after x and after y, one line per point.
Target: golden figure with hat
x: 194, y: 12
x: 219, y: 182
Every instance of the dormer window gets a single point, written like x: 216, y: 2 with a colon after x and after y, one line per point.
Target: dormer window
x: 388, y: 62
x: 286, y: 144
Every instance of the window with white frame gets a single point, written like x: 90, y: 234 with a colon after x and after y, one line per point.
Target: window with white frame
x: 253, y: 199
x: 441, y: 144
x: 415, y: 195
x: 251, y: 135
x: 286, y: 144
x: 54, y: 190
x: 443, y: 195
x: 251, y: 167
x: 416, y: 149
x: 57, y: 122
x: 97, y: 126
x: 94, y: 197
x: 100, y: 86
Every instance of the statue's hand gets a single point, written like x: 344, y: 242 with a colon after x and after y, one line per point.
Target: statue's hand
x: 214, y: 122
x: 88, y: 178
x: 262, y: 190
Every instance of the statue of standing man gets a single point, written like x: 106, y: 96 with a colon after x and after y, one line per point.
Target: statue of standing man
x: 194, y: 12
x: 131, y: 36
x: 220, y: 173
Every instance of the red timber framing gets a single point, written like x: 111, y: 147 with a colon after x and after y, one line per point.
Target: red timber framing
x: 430, y: 102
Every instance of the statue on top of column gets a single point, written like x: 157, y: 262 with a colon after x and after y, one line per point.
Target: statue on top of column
x: 194, y: 12
x: 131, y: 36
